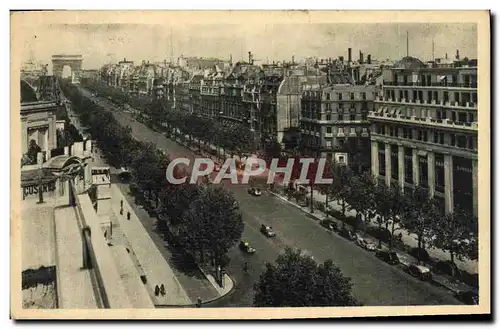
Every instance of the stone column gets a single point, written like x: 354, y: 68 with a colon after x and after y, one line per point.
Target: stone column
x: 416, y: 172
x: 431, y: 173
x: 474, y: 187
x: 388, y: 164
x: 375, y: 160
x: 448, y: 183
x: 401, y: 166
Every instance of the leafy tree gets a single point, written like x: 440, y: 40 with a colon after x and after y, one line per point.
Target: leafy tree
x: 383, y: 204
x: 421, y: 210
x: 455, y: 232
x: 33, y: 150
x: 296, y: 280
x: 362, y: 195
x: 341, y: 186
x: 212, y: 224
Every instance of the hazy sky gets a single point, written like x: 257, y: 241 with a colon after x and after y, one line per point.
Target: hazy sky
x: 101, y: 43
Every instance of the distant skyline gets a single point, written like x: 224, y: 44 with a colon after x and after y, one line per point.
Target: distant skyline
x: 103, y: 43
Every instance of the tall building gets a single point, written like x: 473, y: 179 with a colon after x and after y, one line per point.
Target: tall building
x: 424, y: 130
x: 334, y: 120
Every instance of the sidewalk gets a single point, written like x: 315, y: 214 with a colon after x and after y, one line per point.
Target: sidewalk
x: 404, y: 258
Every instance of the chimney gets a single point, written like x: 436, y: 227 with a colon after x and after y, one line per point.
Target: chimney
x: 293, y: 59
x: 231, y: 59
x: 360, y: 57
x: 369, y: 59
x: 458, y: 55
x: 446, y: 56
x: 143, y: 62
x: 250, y: 58
x: 341, y: 58
x: 124, y: 59
x: 349, y: 55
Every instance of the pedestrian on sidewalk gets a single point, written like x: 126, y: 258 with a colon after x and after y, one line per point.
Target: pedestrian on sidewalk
x: 157, y: 290
x: 162, y: 290
x: 198, y: 302
x: 128, y: 215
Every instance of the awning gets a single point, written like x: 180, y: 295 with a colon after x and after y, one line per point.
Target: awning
x: 393, y: 111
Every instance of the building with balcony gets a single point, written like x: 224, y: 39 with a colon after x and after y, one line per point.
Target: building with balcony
x: 424, y: 130
x: 334, y: 120
x: 38, y: 116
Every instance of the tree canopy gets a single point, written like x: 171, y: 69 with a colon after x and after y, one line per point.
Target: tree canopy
x: 296, y: 280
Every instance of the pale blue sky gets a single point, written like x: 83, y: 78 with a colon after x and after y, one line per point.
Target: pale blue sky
x: 101, y: 43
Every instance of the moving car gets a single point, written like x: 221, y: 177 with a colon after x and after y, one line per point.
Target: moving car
x: 390, y: 257
x: 246, y: 247
x: 267, y: 231
x: 419, y: 271
x: 365, y: 244
x: 468, y: 297
x: 254, y: 191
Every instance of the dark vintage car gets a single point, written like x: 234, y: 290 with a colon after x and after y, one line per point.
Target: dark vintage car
x: 254, y: 191
x: 267, y: 231
x: 419, y: 271
x: 246, y: 247
x: 390, y: 257
x: 348, y: 234
x: 468, y: 297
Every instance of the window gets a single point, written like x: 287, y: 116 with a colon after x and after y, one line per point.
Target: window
x: 328, y: 117
x: 353, y: 130
x: 328, y: 130
x: 352, y: 117
x: 341, y: 117
x: 352, y: 96
x: 340, y: 130
x: 364, y: 96
x: 441, y: 138
x: 400, y: 95
x: 327, y: 96
x: 452, y: 139
x: 446, y: 98
x: 339, y: 95
x: 436, y: 137
x: 328, y: 143
x: 341, y: 106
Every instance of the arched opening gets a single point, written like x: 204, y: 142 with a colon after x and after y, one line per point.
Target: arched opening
x: 67, y: 71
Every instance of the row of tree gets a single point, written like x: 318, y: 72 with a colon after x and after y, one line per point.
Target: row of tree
x: 236, y: 138
x: 417, y: 212
x: 204, y: 220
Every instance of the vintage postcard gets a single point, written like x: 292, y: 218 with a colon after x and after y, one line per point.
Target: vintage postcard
x: 249, y: 165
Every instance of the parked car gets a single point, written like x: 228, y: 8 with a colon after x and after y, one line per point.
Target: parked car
x: 246, y: 247
x: 267, y: 231
x: 254, y: 191
x: 329, y: 224
x: 468, y: 297
x: 420, y: 271
x: 348, y: 234
x: 390, y: 257
x: 365, y: 244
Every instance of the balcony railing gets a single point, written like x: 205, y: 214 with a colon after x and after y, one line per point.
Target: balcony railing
x: 433, y: 84
x: 446, y: 123
x: 440, y: 103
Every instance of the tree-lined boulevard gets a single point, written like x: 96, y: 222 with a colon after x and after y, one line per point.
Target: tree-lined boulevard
x: 207, y: 223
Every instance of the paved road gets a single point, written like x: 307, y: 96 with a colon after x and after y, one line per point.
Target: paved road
x: 375, y: 282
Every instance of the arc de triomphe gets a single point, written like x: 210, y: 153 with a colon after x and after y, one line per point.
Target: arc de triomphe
x: 73, y: 61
